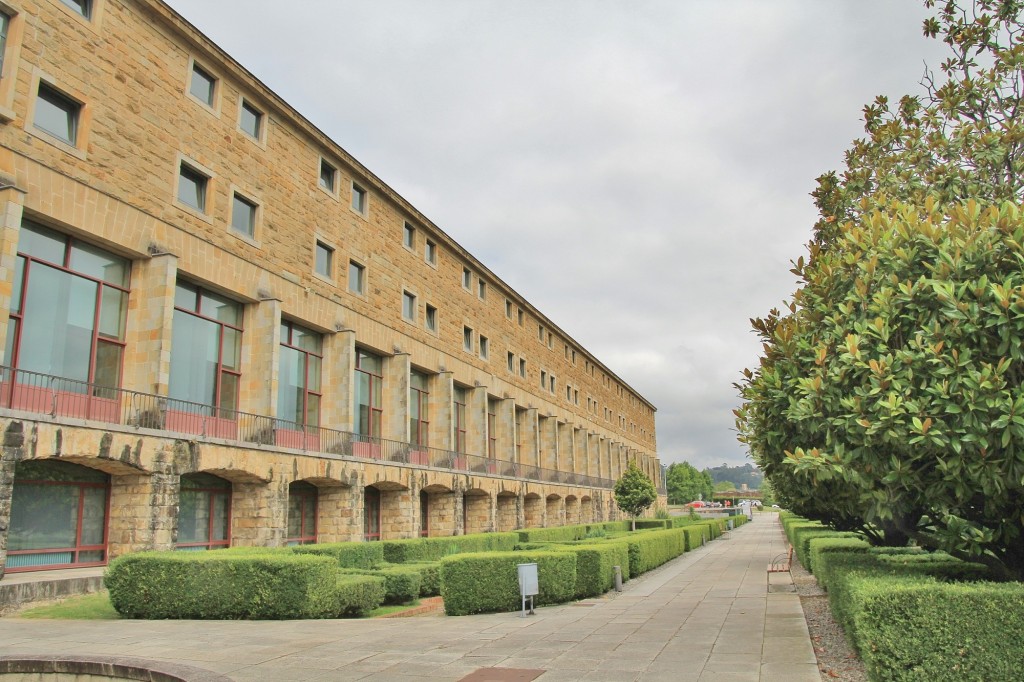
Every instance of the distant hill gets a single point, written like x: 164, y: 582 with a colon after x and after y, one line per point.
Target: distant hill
x: 739, y: 475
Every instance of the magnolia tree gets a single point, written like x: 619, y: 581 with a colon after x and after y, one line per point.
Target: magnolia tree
x: 634, y: 492
x: 889, y: 397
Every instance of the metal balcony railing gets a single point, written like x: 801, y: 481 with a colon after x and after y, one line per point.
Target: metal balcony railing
x: 70, y: 398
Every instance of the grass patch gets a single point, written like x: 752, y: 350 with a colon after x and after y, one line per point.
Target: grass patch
x: 83, y: 607
x: 394, y: 608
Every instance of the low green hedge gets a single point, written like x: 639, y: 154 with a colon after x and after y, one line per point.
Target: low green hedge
x: 919, y: 629
x: 652, y: 548
x: 650, y: 524
x: 819, y: 546
x: 347, y: 554
x: 489, y: 581
x: 222, y: 585
x: 434, y: 549
x: 695, y: 536
x: 595, y: 572
x: 430, y: 576
x: 356, y: 595
x: 586, y: 531
x: 401, y: 584
x: 802, y: 537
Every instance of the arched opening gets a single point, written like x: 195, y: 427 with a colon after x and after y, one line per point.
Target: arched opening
x: 204, y: 513
x: 303, y: 500
x: 572, y: 510
x: 59, y: 515
x: 554, y: 511
x: 506, y: 516
x: 476, y: 511
x: 438, y: 514
x: 424, y: 514
x: 586, y: 510
x: 533, y: 509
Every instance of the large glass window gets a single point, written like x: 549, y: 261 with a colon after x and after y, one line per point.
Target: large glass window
x: 68, y: 309
x: 298, y: 380
x: 204, y: 512
x: 206, y: 349
x: 492, y: 427
x: 369, y: 381
x: 371, y: 514
x: 460, y: 419
x: 59, y: 516
x: 419, y: 412
x: 302, y: 510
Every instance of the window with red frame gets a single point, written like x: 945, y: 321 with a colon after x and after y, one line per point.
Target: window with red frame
x: 419, y: 411
x: 371, y: 514
x: 204, y: 512
x: 492, y: 427
x: 298, y: 377
x: 302, y: 511
x: 460, y: 419
x: 369, y: 381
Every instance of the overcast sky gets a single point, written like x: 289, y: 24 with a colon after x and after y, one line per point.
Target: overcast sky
x: 639, y: 170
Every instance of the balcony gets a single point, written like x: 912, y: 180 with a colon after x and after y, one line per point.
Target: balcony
x: 59, y: 397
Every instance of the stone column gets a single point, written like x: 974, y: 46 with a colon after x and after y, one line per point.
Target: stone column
x: 261, y: 357
x: 396, y: 515
x: 442, y: 421
x: 581, y: 455
x: 546, y: 428
x: 13, y: 441
x: 259, y: 514
x: 476, y: 421
x: 339, y: 517
x: 395, y: 400
x: 505, y: 418
x: 528, y: 438
x: 594, y: 461
x: 11, y: 203
x: 143, y: 512
x: 337, y: 409
x: 566, y: 460
x: 147, y: 353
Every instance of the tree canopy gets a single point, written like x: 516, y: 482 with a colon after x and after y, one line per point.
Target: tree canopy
x: 685, y: 484
x: 634, y: 492
x: 889, y: 397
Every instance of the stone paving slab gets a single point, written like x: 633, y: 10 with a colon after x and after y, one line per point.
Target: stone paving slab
x: 712, y: 614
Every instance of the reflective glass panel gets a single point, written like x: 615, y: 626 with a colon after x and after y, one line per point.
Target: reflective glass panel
x: 58, y: 321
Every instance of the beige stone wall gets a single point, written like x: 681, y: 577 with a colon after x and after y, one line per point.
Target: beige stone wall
x: 130, y: 68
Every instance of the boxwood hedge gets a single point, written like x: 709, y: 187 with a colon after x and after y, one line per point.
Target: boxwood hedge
x: 489, y: 581
x: 347, y: 554
x: 434, y: 549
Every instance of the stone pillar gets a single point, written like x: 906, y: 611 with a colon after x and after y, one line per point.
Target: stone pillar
x: 476, y: 421
x: 566, y: 460
x: 143, y: 512
x: 395, y: 400
x: 396, y: 516
x: 13, y: 440
x: 259, y: 514
x: 147, y: 353
x: 261, y: 357
x: 11, y: 203
x: 479, y: 513
x: 339, y: 515
x: 505, y: 418
x: 581, y: 455
x: 442, y: 420
x: 554, y: 512
x: 337, y: 408
x: 546, y: 428
x: 533, y: 512
x: 458, y: 512
x: 528, y: 438
x: 507, y: 512
x: 594, y: 458
x: 441, y: 507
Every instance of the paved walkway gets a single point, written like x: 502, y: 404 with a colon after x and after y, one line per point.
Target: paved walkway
x: 705, y: 616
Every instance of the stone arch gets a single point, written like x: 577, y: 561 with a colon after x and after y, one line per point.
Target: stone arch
x: 437, y: 508
x: 533, y: 510
x: 586, y: 509
x: 572, y: 510
x: 477, y: 511
x: 336, y: 509
x: 506, y: 512
x: 387, y: 511
x: 554, y: 511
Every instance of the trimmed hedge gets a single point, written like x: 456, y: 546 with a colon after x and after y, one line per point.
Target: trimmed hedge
x: 595, y: 572
x: 819, y: 546
x: 652, y: 548
x: 222, y: 585
x: 434, y: 549
x: 573, y: 533
x: 401, y: 584
x: 694, y: 536
x: 347, y: 554
x: 430, y: 576
x: 915, y: 628
x: 802, y: 537
x: 489, y: 581
x: 649, y: 524
x: 356, y: 595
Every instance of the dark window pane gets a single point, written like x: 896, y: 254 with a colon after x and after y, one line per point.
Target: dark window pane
x: 252, y: 120
x: 56, y: 114
x: 192, y: 188
x: 243, y: 216
x: 83, y: 7
x: 202, y: 85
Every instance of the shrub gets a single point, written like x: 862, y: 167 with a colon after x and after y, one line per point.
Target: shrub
x: 401, y: 584
x: 357, y: 595
x: 222, y: 585
x: 802, y: 537
x: 920, y: 629
x: 489, y: 581
x: 595, y: 572
x: 556, y: 534
x: 652, y: 548
x: 430, y: 576
x: 347, y: 554
x: 694, y: 536
x: 819, y: 546
x: 434, y: 549
x: 650, y: 524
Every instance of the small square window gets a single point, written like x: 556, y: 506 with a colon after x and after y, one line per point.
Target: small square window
x: 192, y: 187
x: 251, y: 120
x: 467, y: 278
x: 508, y: 309
x: 481, y: 289
x: 511, y: 362
x: 356, y: 278
x: 324, y: 260
x: 552, y: 389
x: 566, y: 351
x: 430, y: 252
x: 358, y: 199
x: 540, y: 332
x: 467, y: 339
x: 543, y: 379
x: 484, y: 347
x: 328, y: 176
x: 519, y: 314
x: 522, y: 368
x: 409, y: 306
x: 243, y: 216
x: 202, y: 85
x: 408, y: 236
x: 551, y: 340
x: 83, y: 7
x: 57, y: 114
x: 431, y: 318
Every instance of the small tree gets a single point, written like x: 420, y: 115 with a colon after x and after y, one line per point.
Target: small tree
x: 685, y: 484
x: 634, y: 492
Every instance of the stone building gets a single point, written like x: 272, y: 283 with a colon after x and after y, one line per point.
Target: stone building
x: 225, y: 330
